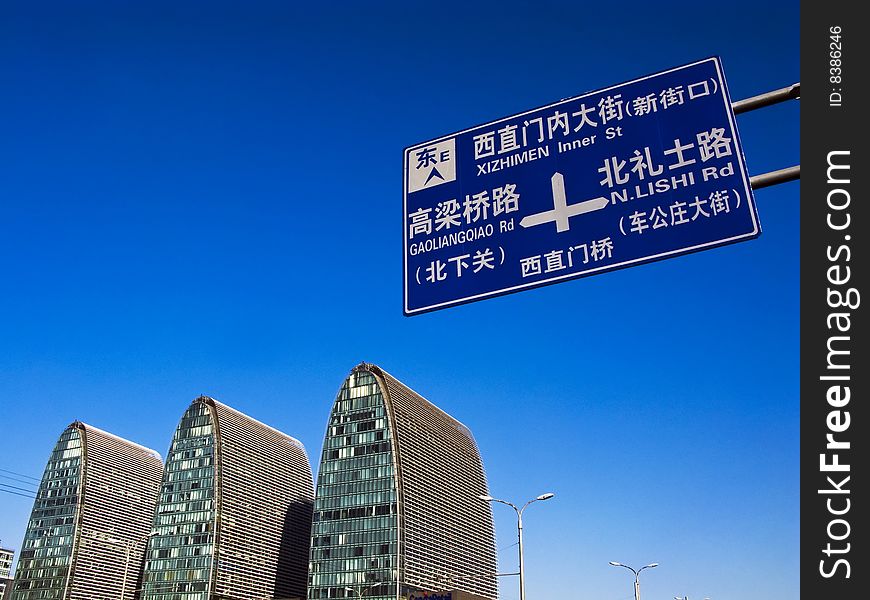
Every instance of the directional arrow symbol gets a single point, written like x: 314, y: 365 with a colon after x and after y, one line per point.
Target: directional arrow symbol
x: 561, y: 210
x: 435, y: 173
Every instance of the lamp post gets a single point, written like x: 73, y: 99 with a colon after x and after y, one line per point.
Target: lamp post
x: 519, y: 512
x: 636, y: 575
x: 358, y: 592
x: 127, y: 550
x: 359, y: 589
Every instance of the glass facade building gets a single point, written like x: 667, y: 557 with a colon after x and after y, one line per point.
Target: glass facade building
x: 396, y: 507
x: 91, y: 517
x: 233, y: 516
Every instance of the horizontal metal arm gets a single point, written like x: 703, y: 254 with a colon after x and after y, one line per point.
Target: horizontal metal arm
x: 792, y: 92
x: 774, y: 177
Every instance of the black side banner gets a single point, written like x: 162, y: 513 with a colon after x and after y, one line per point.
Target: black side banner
x: 834, y: 367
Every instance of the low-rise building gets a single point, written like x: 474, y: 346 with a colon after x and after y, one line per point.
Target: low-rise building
x: 6, y: 556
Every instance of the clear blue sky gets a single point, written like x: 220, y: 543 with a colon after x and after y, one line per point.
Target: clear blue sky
x: 205, y: 198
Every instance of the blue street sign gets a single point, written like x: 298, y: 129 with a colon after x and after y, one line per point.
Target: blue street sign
x: 644, y: 170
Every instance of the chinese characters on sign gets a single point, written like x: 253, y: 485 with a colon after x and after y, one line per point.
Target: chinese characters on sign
x: 644, y: 170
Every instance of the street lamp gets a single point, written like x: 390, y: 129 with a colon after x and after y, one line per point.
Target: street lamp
x: 358, y: 592
x: 519, y: 512
x: 636, y: 575
x: 685, y: 598
x: 127, y: 550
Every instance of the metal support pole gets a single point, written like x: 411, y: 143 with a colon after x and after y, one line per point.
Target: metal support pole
x: 128, y: 549
x: 775, y: 177
x: 126, y: 568
x: 792, y: 92
x: 520, y: 540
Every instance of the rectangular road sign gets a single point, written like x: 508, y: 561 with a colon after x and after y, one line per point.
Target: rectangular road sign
x: 640, y: 171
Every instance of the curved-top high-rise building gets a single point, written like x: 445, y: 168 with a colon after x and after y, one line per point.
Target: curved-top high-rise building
x: 397, y: 506
x: 234, y: 512
x: 86, y: 536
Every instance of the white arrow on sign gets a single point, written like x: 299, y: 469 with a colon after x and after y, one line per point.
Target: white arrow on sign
x: 561, y: 211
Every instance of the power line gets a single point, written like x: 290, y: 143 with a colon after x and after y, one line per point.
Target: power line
x: 19, y: 474
x: 15, y: 487
x: 17, y: 480
x: 18, y: 494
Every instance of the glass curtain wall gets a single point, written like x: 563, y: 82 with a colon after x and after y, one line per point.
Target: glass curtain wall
x: 354, y: 543
x: 43, y: 567
x: 179, y: 557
